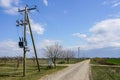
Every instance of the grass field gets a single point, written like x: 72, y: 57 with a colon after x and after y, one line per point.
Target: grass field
x: 10, y: 71
x: 105, y: 73
x: 106, y: 61
x: 114, y: 61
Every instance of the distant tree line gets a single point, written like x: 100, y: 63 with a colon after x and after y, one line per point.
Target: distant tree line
x: 6, y: 60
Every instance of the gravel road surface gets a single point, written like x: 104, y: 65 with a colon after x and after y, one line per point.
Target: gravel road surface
x: 79, y: 71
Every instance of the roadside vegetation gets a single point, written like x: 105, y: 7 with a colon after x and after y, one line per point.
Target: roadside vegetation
x: 109, y: 72
x: 11, y: 68
x: 106, y: 61
x: 105, y: 73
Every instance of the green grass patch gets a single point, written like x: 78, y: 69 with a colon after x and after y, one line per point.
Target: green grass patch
x: 31, y: 74
x: 105, y: 73
x: 10, y: 71
x: 106, y: 61
x: 114, y: 61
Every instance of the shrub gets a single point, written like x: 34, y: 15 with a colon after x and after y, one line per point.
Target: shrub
x: 100, y: 60
x: 61, y: 62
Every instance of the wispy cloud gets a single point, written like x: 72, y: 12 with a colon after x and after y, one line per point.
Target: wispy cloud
x: 113, y: 3
x: 117, y: 15
x: 10, y: 6
x: 48, y: 42
x: 12, y: 11
x: 37, y: 27
x: 45, y: 2
x: 79, y: 35
x: 116, y: 4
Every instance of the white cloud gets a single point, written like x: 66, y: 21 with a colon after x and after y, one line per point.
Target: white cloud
x: 37, y: 27
x: 48, y: 42
x: 9, y: 6
x: 5, y: 3
x: 45, y: 2
x: 12, y: 11
x: 9, y: 48
x: 80, y: 35
x: 103, y: 34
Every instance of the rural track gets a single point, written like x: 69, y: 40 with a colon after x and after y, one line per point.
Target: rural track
x: 79, y: 71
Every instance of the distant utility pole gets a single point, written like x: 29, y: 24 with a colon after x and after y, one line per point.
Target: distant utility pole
x: 23, y: 41
x: 78, y: 53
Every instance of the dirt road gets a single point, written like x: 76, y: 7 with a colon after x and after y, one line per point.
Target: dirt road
x: 79, y: 71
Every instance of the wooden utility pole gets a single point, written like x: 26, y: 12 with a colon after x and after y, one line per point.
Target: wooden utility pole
x: 78, y: 53
x: 33, y: 42
x: 25, y: 23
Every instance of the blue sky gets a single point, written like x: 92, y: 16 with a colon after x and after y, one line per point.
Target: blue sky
x: 92, y: 25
